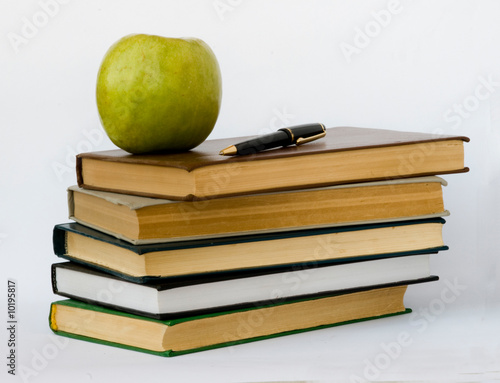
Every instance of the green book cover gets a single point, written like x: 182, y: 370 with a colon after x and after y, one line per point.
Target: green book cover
x: 281, y: 318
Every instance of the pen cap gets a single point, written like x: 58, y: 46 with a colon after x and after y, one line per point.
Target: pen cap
x: 304, y: 131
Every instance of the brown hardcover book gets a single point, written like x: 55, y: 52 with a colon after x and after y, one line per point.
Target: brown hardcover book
x: 345, y: 155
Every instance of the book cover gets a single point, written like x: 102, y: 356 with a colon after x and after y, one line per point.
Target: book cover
x: 142, y: 220
x: 79, y: 243
x: 185, y: 335
x: 194, y: 296
x: 202, y: 173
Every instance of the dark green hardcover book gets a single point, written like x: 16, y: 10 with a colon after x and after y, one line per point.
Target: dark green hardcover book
x: 185, y: 335
x: 140, y: 263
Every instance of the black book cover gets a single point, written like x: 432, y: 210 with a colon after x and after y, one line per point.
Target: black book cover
x: 163, y: 285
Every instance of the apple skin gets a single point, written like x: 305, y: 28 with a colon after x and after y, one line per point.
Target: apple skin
x: 158, y: 94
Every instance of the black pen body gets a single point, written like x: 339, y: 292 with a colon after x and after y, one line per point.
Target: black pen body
x: 304, y: 131
x: 264, y: 142
x: 294, y: 135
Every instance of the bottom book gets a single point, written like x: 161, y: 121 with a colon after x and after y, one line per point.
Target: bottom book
x: 180, y: 336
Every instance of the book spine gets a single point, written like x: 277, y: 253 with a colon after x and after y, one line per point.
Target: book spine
x: 79, y: 173
x: 71, y: 204
x: 59, y: 241
x: 53, y: 272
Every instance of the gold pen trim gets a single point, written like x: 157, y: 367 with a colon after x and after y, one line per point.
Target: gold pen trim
x: 229, y: 151
x: 291, y: 133
x: 301, y: 141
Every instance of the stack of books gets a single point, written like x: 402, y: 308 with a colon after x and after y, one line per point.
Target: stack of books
x: 176, y: 253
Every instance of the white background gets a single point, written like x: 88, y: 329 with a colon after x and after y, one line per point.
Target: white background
x: 408, y: 65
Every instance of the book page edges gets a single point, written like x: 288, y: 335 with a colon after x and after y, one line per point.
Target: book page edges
x: 134, y: 202
x: 72, y: 303
x: 135, y: 241
x: 273, y: 303
x: 343, y: 138
x: 291, y: 332
x: 171, y: 353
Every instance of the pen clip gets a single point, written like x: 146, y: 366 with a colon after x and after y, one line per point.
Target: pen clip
x: 302, y: 140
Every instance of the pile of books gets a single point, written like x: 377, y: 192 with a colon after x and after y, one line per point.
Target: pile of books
x: 176, y: 253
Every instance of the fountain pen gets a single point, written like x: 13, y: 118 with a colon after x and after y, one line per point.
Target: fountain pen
x: 294, y: 135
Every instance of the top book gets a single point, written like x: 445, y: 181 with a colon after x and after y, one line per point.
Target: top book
x: 345, y: 155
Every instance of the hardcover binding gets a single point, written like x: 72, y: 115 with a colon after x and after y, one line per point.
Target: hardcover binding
x: 338, y: 139
x: 171, y: 353
x: 235, y: 307
x: 135, y: 202
x: 59, y: 240
x: 173, y: 322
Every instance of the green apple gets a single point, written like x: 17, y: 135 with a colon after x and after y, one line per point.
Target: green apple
x: 158, y: 94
